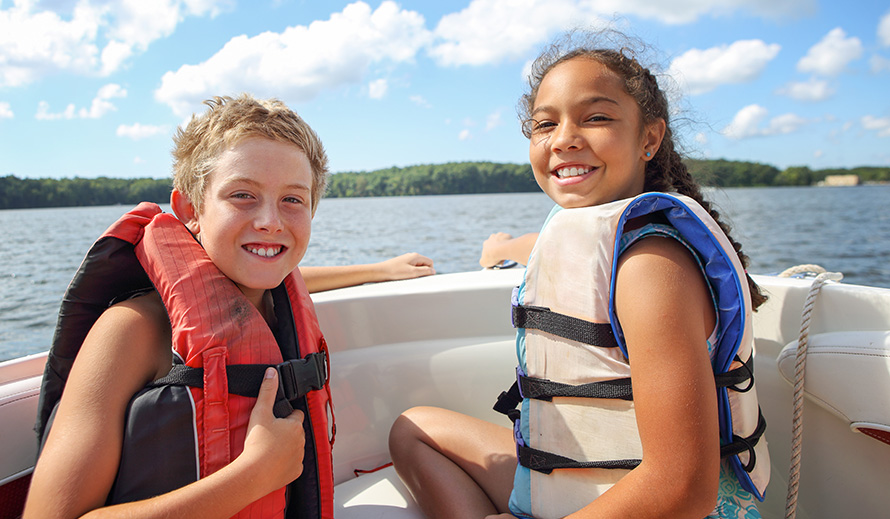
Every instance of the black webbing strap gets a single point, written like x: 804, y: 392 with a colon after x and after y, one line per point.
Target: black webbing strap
x: 567, y: 327
x: 296, y: 377
x: 733, y: 378
x: 543, y: 389
x: 507, y: 402
x: 545, y: 462
x: 740, y: 444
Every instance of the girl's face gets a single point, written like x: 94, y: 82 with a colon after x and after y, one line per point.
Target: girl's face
x: 588, y: 146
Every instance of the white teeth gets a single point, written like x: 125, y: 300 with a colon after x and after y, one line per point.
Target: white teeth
x: 266, y: 253
x: 572, y: 172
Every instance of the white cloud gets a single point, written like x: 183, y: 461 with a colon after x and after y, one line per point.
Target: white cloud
x: 748, y: 121
x: 818, y: 154
x: 832, y: 54
x: 6, y: 111
x: 420, y: 101
x: 100, y: 105
x: 699, y: 71
x: 884, y: 30
x: 464, y: 134
x: 688, y: 11
x: 138, y: 160
x: 491, y: 31
x: 701, y: 138
x: 812, y: 90
x: 302, y: 61
x: 878, y: 124
x: 493, y: 120
x: 139, y: 131
x: 879, y: 64
x: 377, y: 88
x: 37, y: 43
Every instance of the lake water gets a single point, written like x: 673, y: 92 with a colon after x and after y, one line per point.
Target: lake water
x: 844, y: 229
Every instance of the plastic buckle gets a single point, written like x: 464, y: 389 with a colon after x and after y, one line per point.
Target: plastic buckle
x: 297, y: 377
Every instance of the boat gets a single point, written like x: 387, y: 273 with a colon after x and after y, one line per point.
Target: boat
x: 447, y: 340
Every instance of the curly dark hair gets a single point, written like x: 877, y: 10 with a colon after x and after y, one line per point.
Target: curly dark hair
x: 666, y: 171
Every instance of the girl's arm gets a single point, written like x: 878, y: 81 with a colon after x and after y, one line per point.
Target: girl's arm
x: 500, y: 246
x: 128, y: 347
x: 667, y: 314
x: 406, y: 266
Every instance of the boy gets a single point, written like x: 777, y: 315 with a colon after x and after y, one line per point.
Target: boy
x: 219, y: 286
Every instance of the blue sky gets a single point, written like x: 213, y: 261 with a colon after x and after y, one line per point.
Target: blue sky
x: 96, y: 87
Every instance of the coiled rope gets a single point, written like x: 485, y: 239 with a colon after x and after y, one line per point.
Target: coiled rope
x: 799, y: 369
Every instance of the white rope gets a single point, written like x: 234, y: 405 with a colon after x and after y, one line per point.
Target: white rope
x: 799, y: 368
x: 801, y: 269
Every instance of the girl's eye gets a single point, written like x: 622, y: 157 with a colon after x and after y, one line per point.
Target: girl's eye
x: 532, y: 127
x: 598, y: 118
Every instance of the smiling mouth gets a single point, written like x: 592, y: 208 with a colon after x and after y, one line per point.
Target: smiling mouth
x: 265, y: 252
x: 572, y: 171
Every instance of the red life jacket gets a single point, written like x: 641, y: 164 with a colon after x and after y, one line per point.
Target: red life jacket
x: 175, y: 433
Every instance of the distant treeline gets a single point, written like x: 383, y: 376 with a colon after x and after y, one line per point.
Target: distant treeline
x: 20, y: 193
x: 433, y: 179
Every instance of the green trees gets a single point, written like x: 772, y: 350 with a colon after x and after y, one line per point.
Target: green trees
x: 435, y: 179
x: 426, y: 179
x: 20, y: 193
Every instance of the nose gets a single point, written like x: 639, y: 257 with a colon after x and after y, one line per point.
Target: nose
x: 565, y: 137
x: 268, y: 219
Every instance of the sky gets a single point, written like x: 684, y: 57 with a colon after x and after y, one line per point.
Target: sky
x: 93, y: 88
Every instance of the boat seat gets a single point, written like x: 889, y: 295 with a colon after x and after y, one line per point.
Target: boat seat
x: 848, y: 374
x: 376, y: 495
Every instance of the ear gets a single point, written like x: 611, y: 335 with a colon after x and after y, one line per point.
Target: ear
x: 185, y: 211
x: 653, y: 134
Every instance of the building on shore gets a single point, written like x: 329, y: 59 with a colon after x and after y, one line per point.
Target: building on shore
x: 840, y: 180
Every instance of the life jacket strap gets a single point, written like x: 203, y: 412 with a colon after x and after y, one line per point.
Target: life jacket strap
x: 545, y: 462
x: 543, y: 389
x: 741, y: 444
x: 732, y: 378
x: 296, y: 378
x: 507, y: 402
x: 565, y: 326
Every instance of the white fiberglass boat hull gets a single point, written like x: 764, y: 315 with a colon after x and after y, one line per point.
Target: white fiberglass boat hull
x: 447, y: 341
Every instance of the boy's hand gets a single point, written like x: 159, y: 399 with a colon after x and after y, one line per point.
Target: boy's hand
x: 407, y: 266
x: 276, y: 444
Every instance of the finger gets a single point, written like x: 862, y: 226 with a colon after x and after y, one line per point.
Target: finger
x: 422, y: 261
x: 268, y: 389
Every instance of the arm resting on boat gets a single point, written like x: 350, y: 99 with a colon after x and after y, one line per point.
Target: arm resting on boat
x: 406, y: 266
x: 501, y: 246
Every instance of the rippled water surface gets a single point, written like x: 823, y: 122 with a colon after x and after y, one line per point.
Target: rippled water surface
x: 843, y: 229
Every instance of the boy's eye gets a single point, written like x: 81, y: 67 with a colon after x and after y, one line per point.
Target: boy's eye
x: 293, y: 200
x: 245, y: 196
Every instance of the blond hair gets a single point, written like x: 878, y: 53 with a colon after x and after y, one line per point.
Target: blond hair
x: 226, y: 122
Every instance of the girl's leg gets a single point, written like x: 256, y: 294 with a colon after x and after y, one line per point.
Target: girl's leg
x: 455, y: 465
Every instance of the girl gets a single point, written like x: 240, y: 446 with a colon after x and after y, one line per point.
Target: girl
x: 608, y: 304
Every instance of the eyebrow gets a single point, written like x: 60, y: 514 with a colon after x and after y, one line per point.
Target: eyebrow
x: 590, y: 101
x: 247, y: 180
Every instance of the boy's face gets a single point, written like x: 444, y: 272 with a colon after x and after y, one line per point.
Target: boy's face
x: 256, y: 218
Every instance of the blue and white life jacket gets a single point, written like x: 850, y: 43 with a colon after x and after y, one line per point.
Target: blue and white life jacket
x: 573, y: 378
